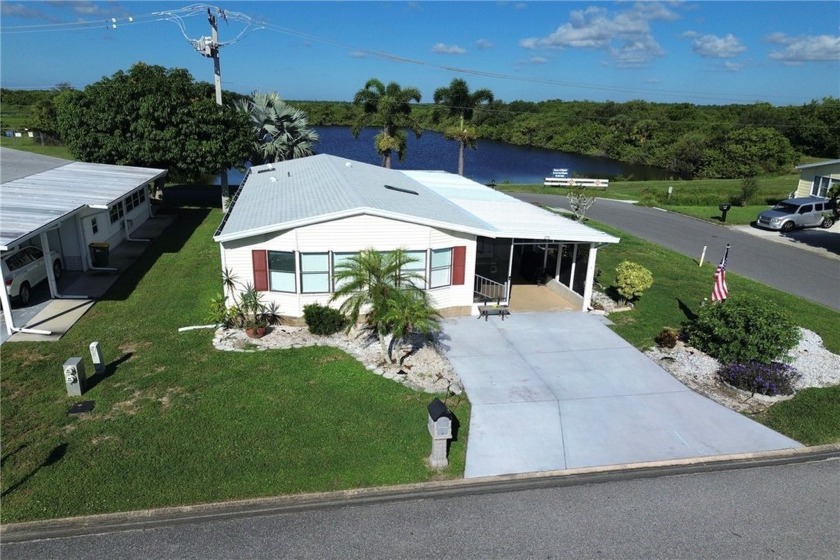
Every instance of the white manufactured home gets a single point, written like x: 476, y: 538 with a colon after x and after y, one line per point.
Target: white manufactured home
x: 65, y: 206
x: 293, y: 223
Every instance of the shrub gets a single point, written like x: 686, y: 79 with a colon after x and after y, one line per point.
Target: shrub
x: 767, y: 379
x: 667, y: 338
x: 742, y: 329
x: 749, y: 189
x: 323, y: 320
x: 632, y: 279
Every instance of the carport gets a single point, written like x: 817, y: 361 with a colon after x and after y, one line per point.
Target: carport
x: 556, y: 391
x: 65, y: 205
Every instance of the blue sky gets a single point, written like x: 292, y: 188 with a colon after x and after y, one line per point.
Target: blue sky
x: 786, y: 53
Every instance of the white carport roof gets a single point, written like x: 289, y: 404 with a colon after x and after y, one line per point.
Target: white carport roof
x: 510, y: 217
x: 319, y: 188
x: 37, y: 192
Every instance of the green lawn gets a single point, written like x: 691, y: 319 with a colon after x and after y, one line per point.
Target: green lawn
x: 680, y: 285
x: 33, y: 145
x: 698, y: 198
x: 177, y: 422
x: 812, y: 416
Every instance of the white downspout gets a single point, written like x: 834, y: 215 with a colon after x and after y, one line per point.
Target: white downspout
x: 510, y: 272
x: 590, y: 276
x: 574, y: 266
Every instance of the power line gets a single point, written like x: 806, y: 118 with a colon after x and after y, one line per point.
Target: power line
x: 177, y: 16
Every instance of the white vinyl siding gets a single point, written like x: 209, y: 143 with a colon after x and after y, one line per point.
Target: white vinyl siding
x: 341, y: 239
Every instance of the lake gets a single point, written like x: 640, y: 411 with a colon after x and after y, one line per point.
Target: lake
x: 492, y: 161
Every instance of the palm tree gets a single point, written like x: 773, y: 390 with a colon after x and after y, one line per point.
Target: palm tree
x: 409, y: 311
x: 378, y: 284
x: 281, y: 130
x: 457, y: 101
x: 390, y: 107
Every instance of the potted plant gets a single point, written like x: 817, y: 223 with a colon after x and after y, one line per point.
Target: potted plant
x: 248, y: 312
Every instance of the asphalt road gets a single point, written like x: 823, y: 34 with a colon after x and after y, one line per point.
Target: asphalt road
x: 779, y: 511
x: 791, y: 269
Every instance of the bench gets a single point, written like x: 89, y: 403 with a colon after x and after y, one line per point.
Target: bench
x: 576, y: 182
x: 487, y: 310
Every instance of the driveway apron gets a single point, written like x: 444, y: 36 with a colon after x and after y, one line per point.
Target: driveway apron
x: 554, y: 391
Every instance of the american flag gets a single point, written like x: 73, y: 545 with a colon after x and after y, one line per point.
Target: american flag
x: 719, y: 292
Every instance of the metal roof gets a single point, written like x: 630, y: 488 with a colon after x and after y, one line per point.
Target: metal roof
x: 18, y: 164
x: 323, y: 187
x: 818, y: 164
x: 511, y: 218
x: 320, y: 188
x: 44, y: 193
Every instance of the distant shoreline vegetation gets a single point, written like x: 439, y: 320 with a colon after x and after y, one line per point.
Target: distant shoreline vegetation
x: 697, y: 141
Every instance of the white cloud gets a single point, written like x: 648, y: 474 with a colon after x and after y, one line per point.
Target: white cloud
x: 626, y: 35
x: 713, y: 46
x: 25, y: 11
x: 357, y: 54
x: 484, y: 44
x: 537, y: 60
x: 440, y: 48
x: 805, y: 49
x: 730, y: 66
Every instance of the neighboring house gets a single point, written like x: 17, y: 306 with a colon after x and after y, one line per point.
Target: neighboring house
x: 815, y: 179
x: 65, y: 206
x: 293, y: 223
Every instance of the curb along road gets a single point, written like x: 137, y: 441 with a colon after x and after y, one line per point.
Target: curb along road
x: 146, y: 519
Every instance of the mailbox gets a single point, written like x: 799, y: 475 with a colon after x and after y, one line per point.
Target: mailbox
x: 440, y: 420
x: 440, y: 428
x: 724, y: 208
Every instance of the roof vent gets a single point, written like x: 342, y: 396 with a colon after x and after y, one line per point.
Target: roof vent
x: 348, y: 164
x: 402, y: 190
x: 273, y: 179
x: 266, y: 170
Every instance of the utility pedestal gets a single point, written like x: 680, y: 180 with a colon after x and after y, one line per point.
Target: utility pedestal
x: 74, y: 376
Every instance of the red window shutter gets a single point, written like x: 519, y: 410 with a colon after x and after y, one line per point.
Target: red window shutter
x: 459, y: 259
x: 260, y: 259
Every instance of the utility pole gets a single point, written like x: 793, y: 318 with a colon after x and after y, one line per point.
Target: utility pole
x: 209, y: 47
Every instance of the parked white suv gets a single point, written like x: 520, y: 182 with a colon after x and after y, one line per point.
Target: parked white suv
x: 24, y: 269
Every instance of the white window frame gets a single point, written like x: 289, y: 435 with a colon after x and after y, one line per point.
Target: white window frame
x: 820, y: 186
x: 276, y: 277
x: 436, y: 269
x: 307, y: 260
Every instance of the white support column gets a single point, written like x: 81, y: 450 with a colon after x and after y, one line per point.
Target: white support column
x: 510, y: 273
x: 574, y: 266
x: 7, y: 308
x: 559, y: 258
x: 45, y: 246
x: 590, y: 276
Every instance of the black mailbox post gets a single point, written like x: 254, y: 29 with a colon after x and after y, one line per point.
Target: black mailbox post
x: 724, y: 208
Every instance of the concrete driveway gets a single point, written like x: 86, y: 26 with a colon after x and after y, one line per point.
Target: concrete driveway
x: 554, y: 391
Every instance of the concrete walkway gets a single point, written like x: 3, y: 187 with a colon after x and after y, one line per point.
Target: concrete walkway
x: 554, y: 391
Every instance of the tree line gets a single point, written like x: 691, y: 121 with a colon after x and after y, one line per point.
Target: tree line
x: 698, y: 141
x: 159, y: 117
